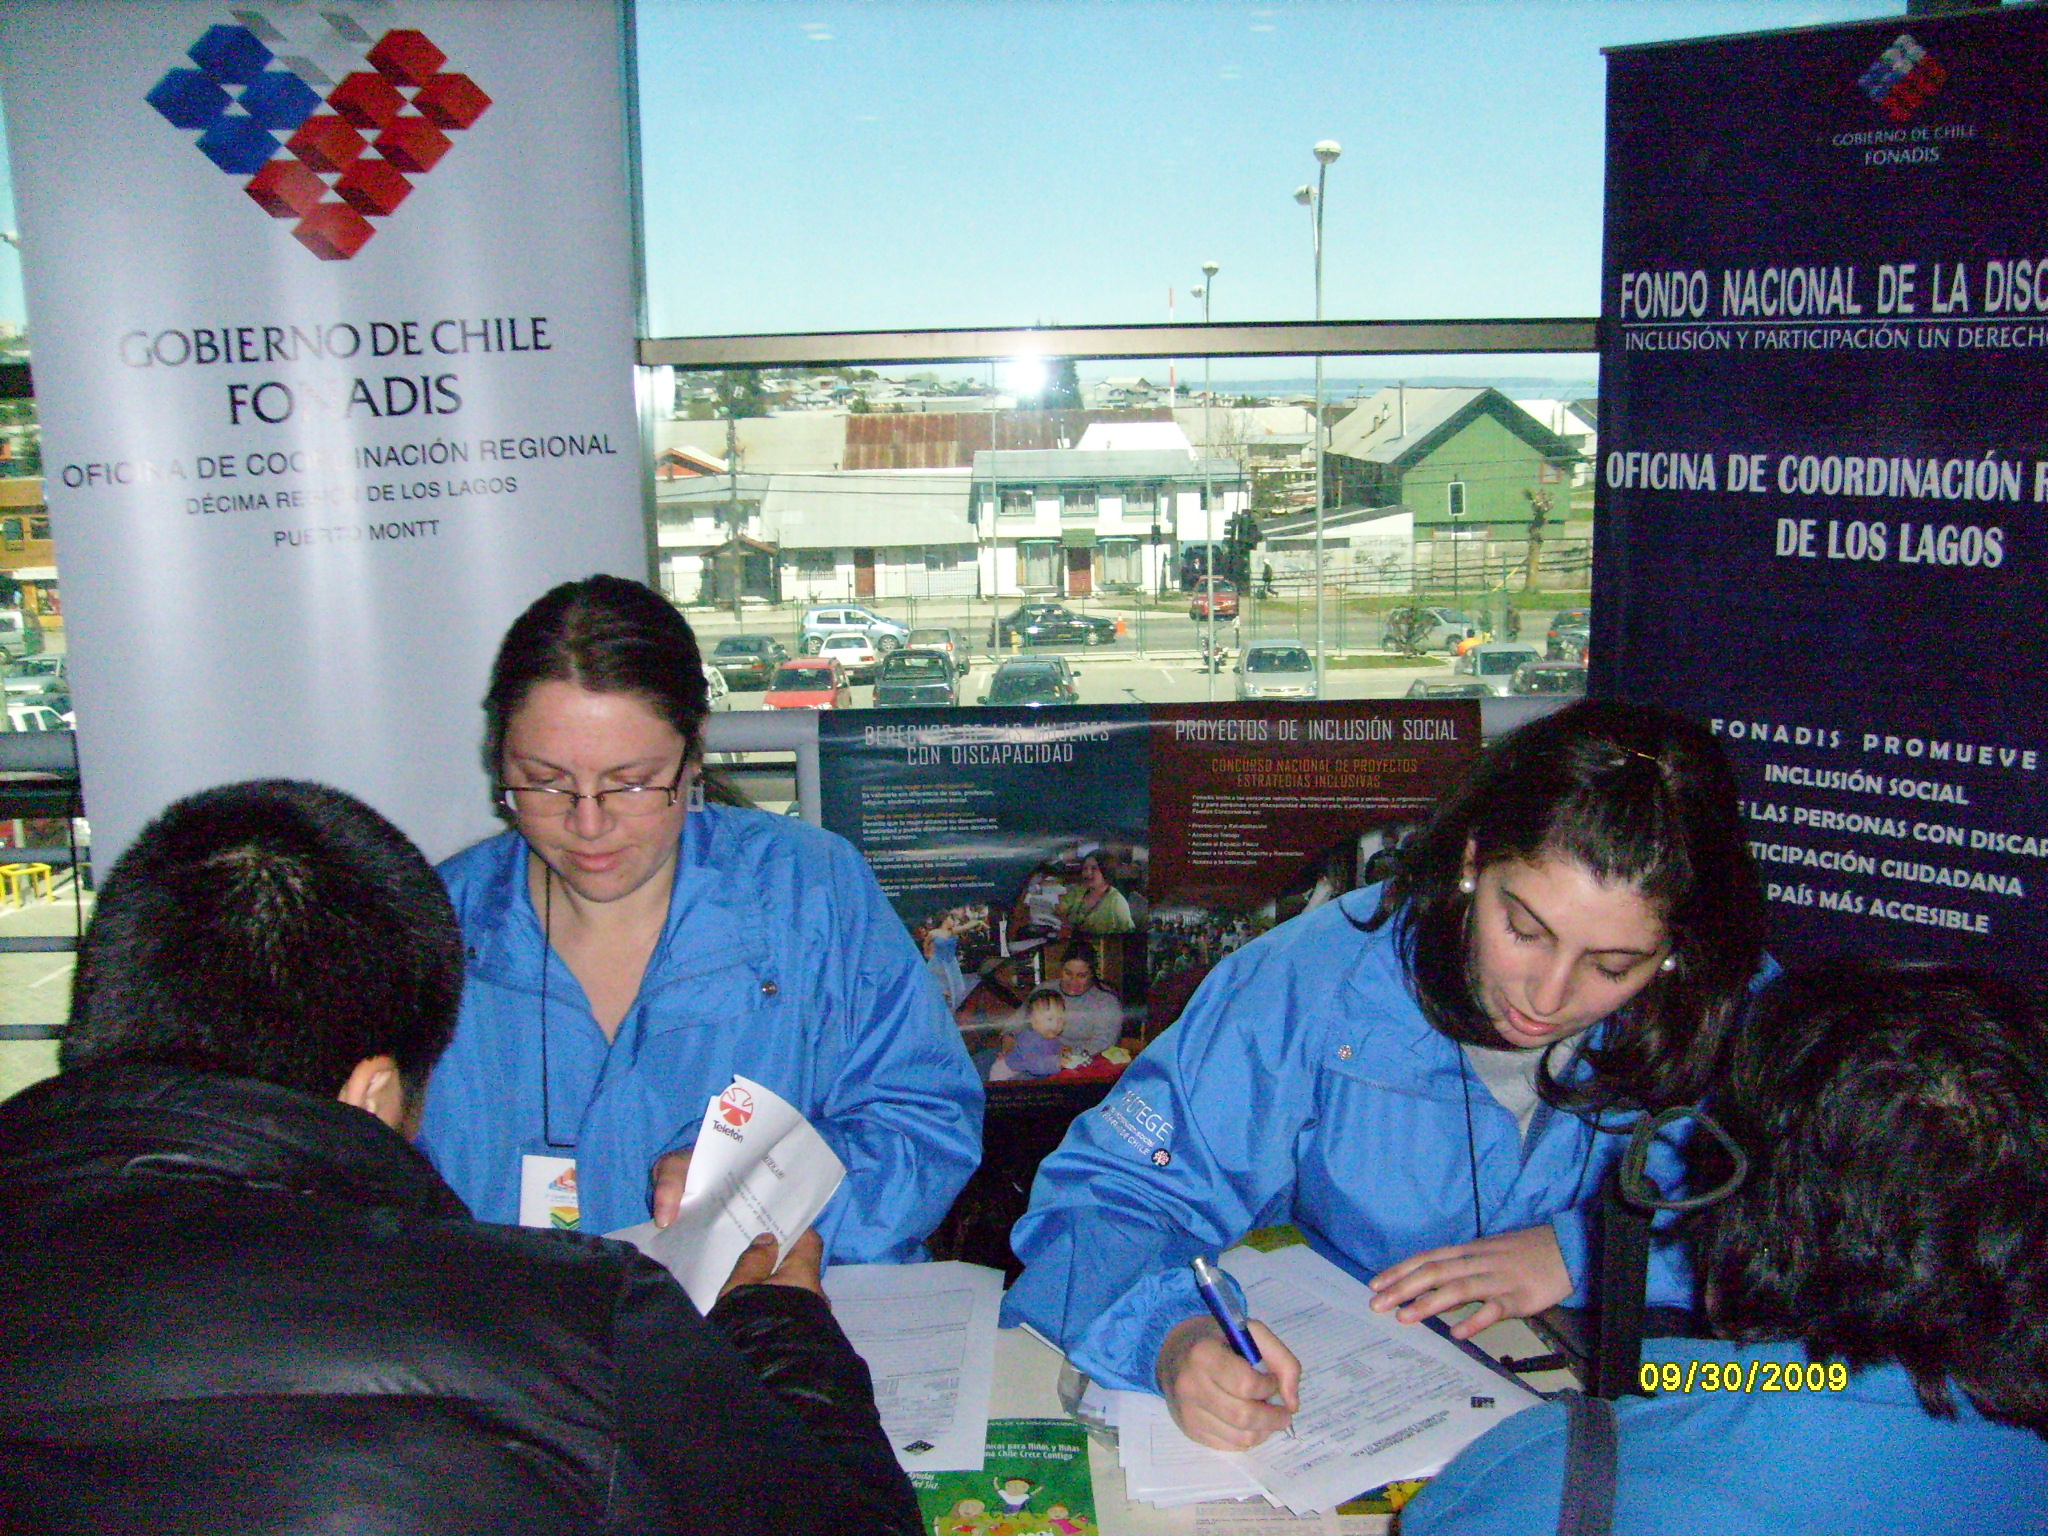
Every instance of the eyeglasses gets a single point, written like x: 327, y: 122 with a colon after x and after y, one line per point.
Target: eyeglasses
x: 628, y: 800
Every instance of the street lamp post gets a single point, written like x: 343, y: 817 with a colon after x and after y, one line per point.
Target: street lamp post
x: 1209, y: 271
x: 1312, y: 198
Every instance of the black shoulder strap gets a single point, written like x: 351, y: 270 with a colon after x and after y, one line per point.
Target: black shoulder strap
x: 1621, y: 1265
x: 1587, y: 1508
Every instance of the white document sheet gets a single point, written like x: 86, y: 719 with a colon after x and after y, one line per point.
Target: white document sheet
x: 928, y: 1334
x: 758, y: 1166
x: 1379, y: 1400
x: 1164, y: 1467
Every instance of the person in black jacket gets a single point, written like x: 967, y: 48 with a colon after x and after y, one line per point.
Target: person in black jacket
x: 236, y: 1300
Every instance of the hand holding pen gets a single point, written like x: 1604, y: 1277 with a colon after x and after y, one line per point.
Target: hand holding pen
x: 1221, y: 1392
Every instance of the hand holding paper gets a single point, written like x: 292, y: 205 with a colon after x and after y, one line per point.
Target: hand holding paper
x: 758, y: 1166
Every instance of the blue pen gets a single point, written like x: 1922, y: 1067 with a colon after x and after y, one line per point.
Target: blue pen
x: 1236, y: 1330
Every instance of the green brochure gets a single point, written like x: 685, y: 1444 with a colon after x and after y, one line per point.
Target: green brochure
x: 1035, y: 1482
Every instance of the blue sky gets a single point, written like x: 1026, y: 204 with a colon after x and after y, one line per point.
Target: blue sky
x: 937, y: 163
x: 909, y: 163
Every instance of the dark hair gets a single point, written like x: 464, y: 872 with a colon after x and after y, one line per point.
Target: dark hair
x: 1081, y: 952
x: 1895, y: 1115
x: 608, y: 635
x: 1632, y: 794
x: 1046, y: 995
x: 275, y: 930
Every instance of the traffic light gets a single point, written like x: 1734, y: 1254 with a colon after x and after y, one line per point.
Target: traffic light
x: 1241, y: 537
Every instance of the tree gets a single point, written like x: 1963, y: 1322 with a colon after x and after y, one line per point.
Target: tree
x: 1541, y: 504
x: 1063, y: 389
x: 739, y: 393
x: 21, y: 452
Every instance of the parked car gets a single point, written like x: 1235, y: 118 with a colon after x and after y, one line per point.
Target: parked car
x: 23, y: 716
x: 748, y: 661
x: 855, y: 652
x: 1555, y: 677
x: 718, y: 696
x: 1496, y: 662
x: 34, y: 675
x: 887, y: 634
x: 20, y: 634
x: 951, y: 641
x: 1448, y: 688
x: 1213, y: 592
x: 1424, y: 627
x: 1569, y: 635
x: 917, y: 676
x: 1276, y: 669
x: 1051, y: 624
x: 1040, y: 680
x: 809, y: 682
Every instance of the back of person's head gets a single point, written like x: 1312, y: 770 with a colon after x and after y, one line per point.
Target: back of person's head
x: 607, y: 635
x: 1895, y: 1116
x: 274, y: 930
x: 1634, y: 795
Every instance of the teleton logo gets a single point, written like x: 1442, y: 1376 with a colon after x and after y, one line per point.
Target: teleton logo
x: 1903, y: 79
x: 736, y: 1105
x: 331, y: 122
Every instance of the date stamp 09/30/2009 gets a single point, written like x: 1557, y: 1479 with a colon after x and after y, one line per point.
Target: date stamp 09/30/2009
x: 1734, y: 1376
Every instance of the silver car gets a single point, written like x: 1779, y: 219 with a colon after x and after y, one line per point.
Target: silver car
x: 1276, y: 669
x: 1496, y: 662
x: 886, y: 634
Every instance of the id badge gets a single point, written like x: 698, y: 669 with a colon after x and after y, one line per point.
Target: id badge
x: 547, y: 1192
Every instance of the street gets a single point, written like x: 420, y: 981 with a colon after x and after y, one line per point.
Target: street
x: 1106, y: 677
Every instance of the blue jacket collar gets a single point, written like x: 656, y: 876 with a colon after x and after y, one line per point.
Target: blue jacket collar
x: 710, y: 878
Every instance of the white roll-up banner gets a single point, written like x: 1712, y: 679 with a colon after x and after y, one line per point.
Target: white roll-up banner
x: 332, y: 316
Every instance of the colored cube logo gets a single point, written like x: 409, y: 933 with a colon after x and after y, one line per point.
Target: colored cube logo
x: 331, y: 121
x: 1904, y: 78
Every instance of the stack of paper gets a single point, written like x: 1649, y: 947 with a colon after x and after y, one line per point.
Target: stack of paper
x: 928, y: 1335
x: 1380, y: 1400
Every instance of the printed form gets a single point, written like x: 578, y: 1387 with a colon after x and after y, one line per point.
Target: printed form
x: 1380, y: 1400
x: 928, y: 1334
x: 758, y: 1166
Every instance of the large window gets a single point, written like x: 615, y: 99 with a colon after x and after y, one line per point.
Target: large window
x: 1039, y: 565
x: 847, y: 159
x: 842, y: 166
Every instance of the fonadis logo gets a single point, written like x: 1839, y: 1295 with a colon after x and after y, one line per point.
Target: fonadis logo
x: 1904, y: 78
x: 330, y: 120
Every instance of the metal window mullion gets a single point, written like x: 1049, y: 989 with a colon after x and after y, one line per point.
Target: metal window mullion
x: 1291, y: 338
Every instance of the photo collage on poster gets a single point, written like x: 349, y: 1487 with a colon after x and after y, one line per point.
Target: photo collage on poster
x: 1071, y: 874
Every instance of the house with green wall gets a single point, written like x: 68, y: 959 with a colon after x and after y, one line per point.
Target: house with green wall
x: 1453, y: 458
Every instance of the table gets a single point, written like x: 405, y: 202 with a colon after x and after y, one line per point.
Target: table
x: 1027, y: 1387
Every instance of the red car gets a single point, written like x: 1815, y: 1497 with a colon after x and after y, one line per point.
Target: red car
x: 1213, y: 590
x: 809, y: 682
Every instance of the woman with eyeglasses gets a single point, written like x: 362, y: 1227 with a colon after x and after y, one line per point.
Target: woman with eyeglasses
x: 631, y: 949
x: 1429, y: 1078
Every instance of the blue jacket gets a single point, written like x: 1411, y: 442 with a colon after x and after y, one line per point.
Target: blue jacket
x: 1301, y: 1085
x: 781, y: 961
x: 1867, y: 1459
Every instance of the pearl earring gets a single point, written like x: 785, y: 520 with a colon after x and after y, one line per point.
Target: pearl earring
x: 1668, y: 963
x: 1468, y: 885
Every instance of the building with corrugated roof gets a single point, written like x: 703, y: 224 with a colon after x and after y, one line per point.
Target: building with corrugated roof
x: 817, y: 537
x: 1456, y: 458
x: 1070, y: 522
